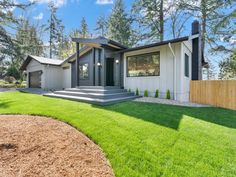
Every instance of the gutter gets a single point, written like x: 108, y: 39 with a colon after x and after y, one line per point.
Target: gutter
x: 175, y: 72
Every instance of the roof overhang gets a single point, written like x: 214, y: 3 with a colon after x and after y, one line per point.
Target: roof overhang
x: 99, y: 43
x: 82, y: 52
x: 155, y: 44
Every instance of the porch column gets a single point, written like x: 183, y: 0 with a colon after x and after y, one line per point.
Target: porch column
x: 77, y: 64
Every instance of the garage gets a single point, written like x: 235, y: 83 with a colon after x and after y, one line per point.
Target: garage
x: 35, y: 79
x: 44, y: 73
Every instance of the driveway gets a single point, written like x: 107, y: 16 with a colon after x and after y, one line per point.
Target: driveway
x: 37, y: 91
x: 7, y: 89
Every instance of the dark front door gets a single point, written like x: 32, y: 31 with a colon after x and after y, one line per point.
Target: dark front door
x: 110, y: 71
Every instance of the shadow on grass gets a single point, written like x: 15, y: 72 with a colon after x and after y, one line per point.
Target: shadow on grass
x: 5, y: 104
x: 170, y: 116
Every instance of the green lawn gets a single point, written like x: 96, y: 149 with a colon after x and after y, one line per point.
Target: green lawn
x: 142, y: 139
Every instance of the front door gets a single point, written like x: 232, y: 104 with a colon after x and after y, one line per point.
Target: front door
x: 110, y: 72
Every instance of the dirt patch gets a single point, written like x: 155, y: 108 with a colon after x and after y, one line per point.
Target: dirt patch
x: 39, y: 146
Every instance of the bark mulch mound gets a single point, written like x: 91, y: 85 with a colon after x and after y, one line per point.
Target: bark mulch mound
x: 39, y: 146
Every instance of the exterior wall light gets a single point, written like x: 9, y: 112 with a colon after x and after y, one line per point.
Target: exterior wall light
x: 99, y: 64
x: 117, y: 61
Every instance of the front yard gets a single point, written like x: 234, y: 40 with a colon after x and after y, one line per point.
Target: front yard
x: 143, y: 139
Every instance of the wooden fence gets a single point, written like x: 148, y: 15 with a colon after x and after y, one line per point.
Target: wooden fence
x: 220, y: 93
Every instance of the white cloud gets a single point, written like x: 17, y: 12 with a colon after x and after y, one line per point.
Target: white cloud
x: 104, y: 2
x: 39, y: 16
x: 58, y: 3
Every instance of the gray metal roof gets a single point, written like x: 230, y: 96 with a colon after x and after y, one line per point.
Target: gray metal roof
x: 50, y: 61
x: 41, y: 60
x: 156, y: 44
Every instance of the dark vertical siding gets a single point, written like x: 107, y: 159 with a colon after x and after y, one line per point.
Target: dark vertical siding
x: 87, y: 58
x: 73, y: 74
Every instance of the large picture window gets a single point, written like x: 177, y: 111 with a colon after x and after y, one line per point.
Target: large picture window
x: 83, y: 71
x: 144, y: 65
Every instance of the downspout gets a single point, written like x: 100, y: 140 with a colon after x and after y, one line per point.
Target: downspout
x: 175, y: 72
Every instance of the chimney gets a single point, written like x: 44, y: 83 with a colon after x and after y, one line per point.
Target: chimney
x: 196, y: 52
x: 195, y: 27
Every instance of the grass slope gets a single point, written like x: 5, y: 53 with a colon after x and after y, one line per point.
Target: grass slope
x: 142, y: 139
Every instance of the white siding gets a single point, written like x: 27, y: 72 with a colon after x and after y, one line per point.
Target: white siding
x: 166, y: 79
x: 186, y: 49
x: 67, y: 77
x: 53, y: 77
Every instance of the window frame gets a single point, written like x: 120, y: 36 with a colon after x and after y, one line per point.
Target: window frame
x: 81, y: 64
x: 186, y: 75
x: 143, y: 54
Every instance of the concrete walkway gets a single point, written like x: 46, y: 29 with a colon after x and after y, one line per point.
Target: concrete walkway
x: 169, y: 102
x: 7, y: 89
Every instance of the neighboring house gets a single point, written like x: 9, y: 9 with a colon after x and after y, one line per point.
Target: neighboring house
x: 167, y: 65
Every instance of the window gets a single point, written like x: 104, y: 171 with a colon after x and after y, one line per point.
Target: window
x: 144, y: 65
x: 186, y: 65
x: 83, y: 71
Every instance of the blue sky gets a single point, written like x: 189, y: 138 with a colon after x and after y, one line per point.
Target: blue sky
x: 72, y: 11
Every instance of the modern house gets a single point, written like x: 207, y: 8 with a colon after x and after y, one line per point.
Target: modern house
x: 104, y: 69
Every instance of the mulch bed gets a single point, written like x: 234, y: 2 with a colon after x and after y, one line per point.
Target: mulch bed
x: 40, y: 146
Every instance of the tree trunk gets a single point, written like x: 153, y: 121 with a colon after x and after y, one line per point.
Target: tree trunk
x: 161, y: 21
x: 204, y: 16
x: 50, y: 38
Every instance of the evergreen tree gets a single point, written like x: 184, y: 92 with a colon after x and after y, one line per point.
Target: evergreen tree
x: 67, y: 48
x: 101, y: 25
x: 8, y: 20
x: 228, y: 67
x: 214, y: 15
x: 149, y: 14
x: 55, y: 29
x: 28, y: 39
x: 119, y: 24
x: 73, y: 34
x: 84, y: 32
x: 209, y: 72
x: 177, y: 19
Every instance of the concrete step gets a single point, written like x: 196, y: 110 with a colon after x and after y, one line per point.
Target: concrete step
x: 94, y: 94
x: 92, y: 100
x: 98, y: 90
x: 98, y: 87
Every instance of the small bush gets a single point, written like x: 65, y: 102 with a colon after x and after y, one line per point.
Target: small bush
x: 168, y: 94
x: 137, y: 92
x: 157, y: 93
x: 129, y: 90
x: 14, y: 72
x: 145, y: 93
x: 8, y: 86
x: 9, y: 79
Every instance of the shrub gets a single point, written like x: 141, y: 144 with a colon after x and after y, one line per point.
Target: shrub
x: 9, y: 79
x: 137, y: 92
x: 129, y: 90
x: 2, y: 81
x: 168, y: 94
x: 145, y: 93
x: 14, y: 72
x: 157, y: 93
